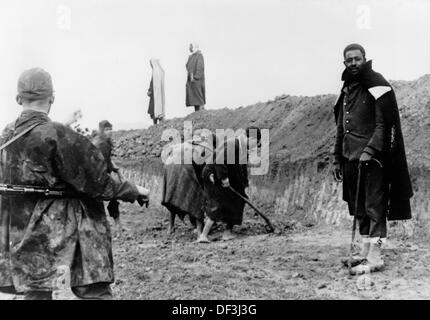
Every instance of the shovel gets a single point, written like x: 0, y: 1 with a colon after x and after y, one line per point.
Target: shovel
x: 269, y: 226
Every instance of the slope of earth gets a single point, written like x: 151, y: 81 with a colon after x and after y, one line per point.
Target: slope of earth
x: 298, y: 263
x: 300, y: 127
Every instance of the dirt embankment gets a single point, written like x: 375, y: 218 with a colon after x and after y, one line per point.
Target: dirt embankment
x: 298, y: 185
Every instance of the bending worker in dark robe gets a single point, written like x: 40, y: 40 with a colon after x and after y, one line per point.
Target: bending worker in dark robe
x: 369, y: 135
x: 49, y: 242
x: 229, y: 169
x: 195, y: 87
x: 182, y: 183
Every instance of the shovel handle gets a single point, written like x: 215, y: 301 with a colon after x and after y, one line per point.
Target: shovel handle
x: 269, y: 224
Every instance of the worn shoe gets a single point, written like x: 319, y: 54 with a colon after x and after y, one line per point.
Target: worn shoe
x: 228, y: 235
x: 355, y: 261
x: 202, y: 239
x: 366, y: 267
x: 360, y: 257
x: 373, y: 263
x: 375, y: 255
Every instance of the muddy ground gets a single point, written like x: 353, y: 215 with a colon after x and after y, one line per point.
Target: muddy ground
x: 296, y: 262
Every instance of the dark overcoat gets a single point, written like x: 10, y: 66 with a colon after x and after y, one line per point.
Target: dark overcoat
x: 222, y: 204
x: 195, y: 87
x: 393, y: 153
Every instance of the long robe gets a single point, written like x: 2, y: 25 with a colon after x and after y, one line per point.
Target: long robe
x: 182, y: 185
x: 41, y: 235
x: 222, y: 203
x: 195, y: 90
x: 157, y: 101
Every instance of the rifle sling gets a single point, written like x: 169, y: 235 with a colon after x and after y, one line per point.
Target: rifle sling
x: 19, y: 136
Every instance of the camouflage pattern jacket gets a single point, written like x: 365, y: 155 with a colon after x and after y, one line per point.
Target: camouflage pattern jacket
x: 40, y: 234
x: 105, y: 145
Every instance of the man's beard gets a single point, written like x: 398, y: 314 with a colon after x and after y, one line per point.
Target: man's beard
x: 354, y: 72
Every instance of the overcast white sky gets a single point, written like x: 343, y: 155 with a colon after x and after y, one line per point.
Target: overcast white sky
x: 254, y: 50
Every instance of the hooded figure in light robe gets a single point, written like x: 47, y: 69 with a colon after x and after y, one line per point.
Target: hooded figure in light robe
x: 156, y: 107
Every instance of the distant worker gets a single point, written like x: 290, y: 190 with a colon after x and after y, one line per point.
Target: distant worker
x: 156, y: 107
x: 195, y: 88
x: 103, y: 141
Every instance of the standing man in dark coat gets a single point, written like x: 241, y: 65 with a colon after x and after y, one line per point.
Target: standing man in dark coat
x: 227, y: 171
x: 195, y: 87
x: 369, y: 142
x: 45, y: 240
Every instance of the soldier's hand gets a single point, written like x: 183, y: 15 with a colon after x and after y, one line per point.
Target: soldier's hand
x: 212, y: 178
x: 225, y: 183
x: 365, y: 157
x: 337, y: 172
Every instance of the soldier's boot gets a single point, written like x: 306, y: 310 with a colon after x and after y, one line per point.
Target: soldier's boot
x: 7, y: 296
x: 94, y: 291
x: 8, y: 293
x: 358, y: 258
x: 374, y: 261
x: 38, y: 295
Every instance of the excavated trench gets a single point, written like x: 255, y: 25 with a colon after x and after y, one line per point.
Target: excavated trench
x: 302, y: 192
x: 298, y: 186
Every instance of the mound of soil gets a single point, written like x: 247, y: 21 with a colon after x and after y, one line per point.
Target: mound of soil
x: 300, y: 127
